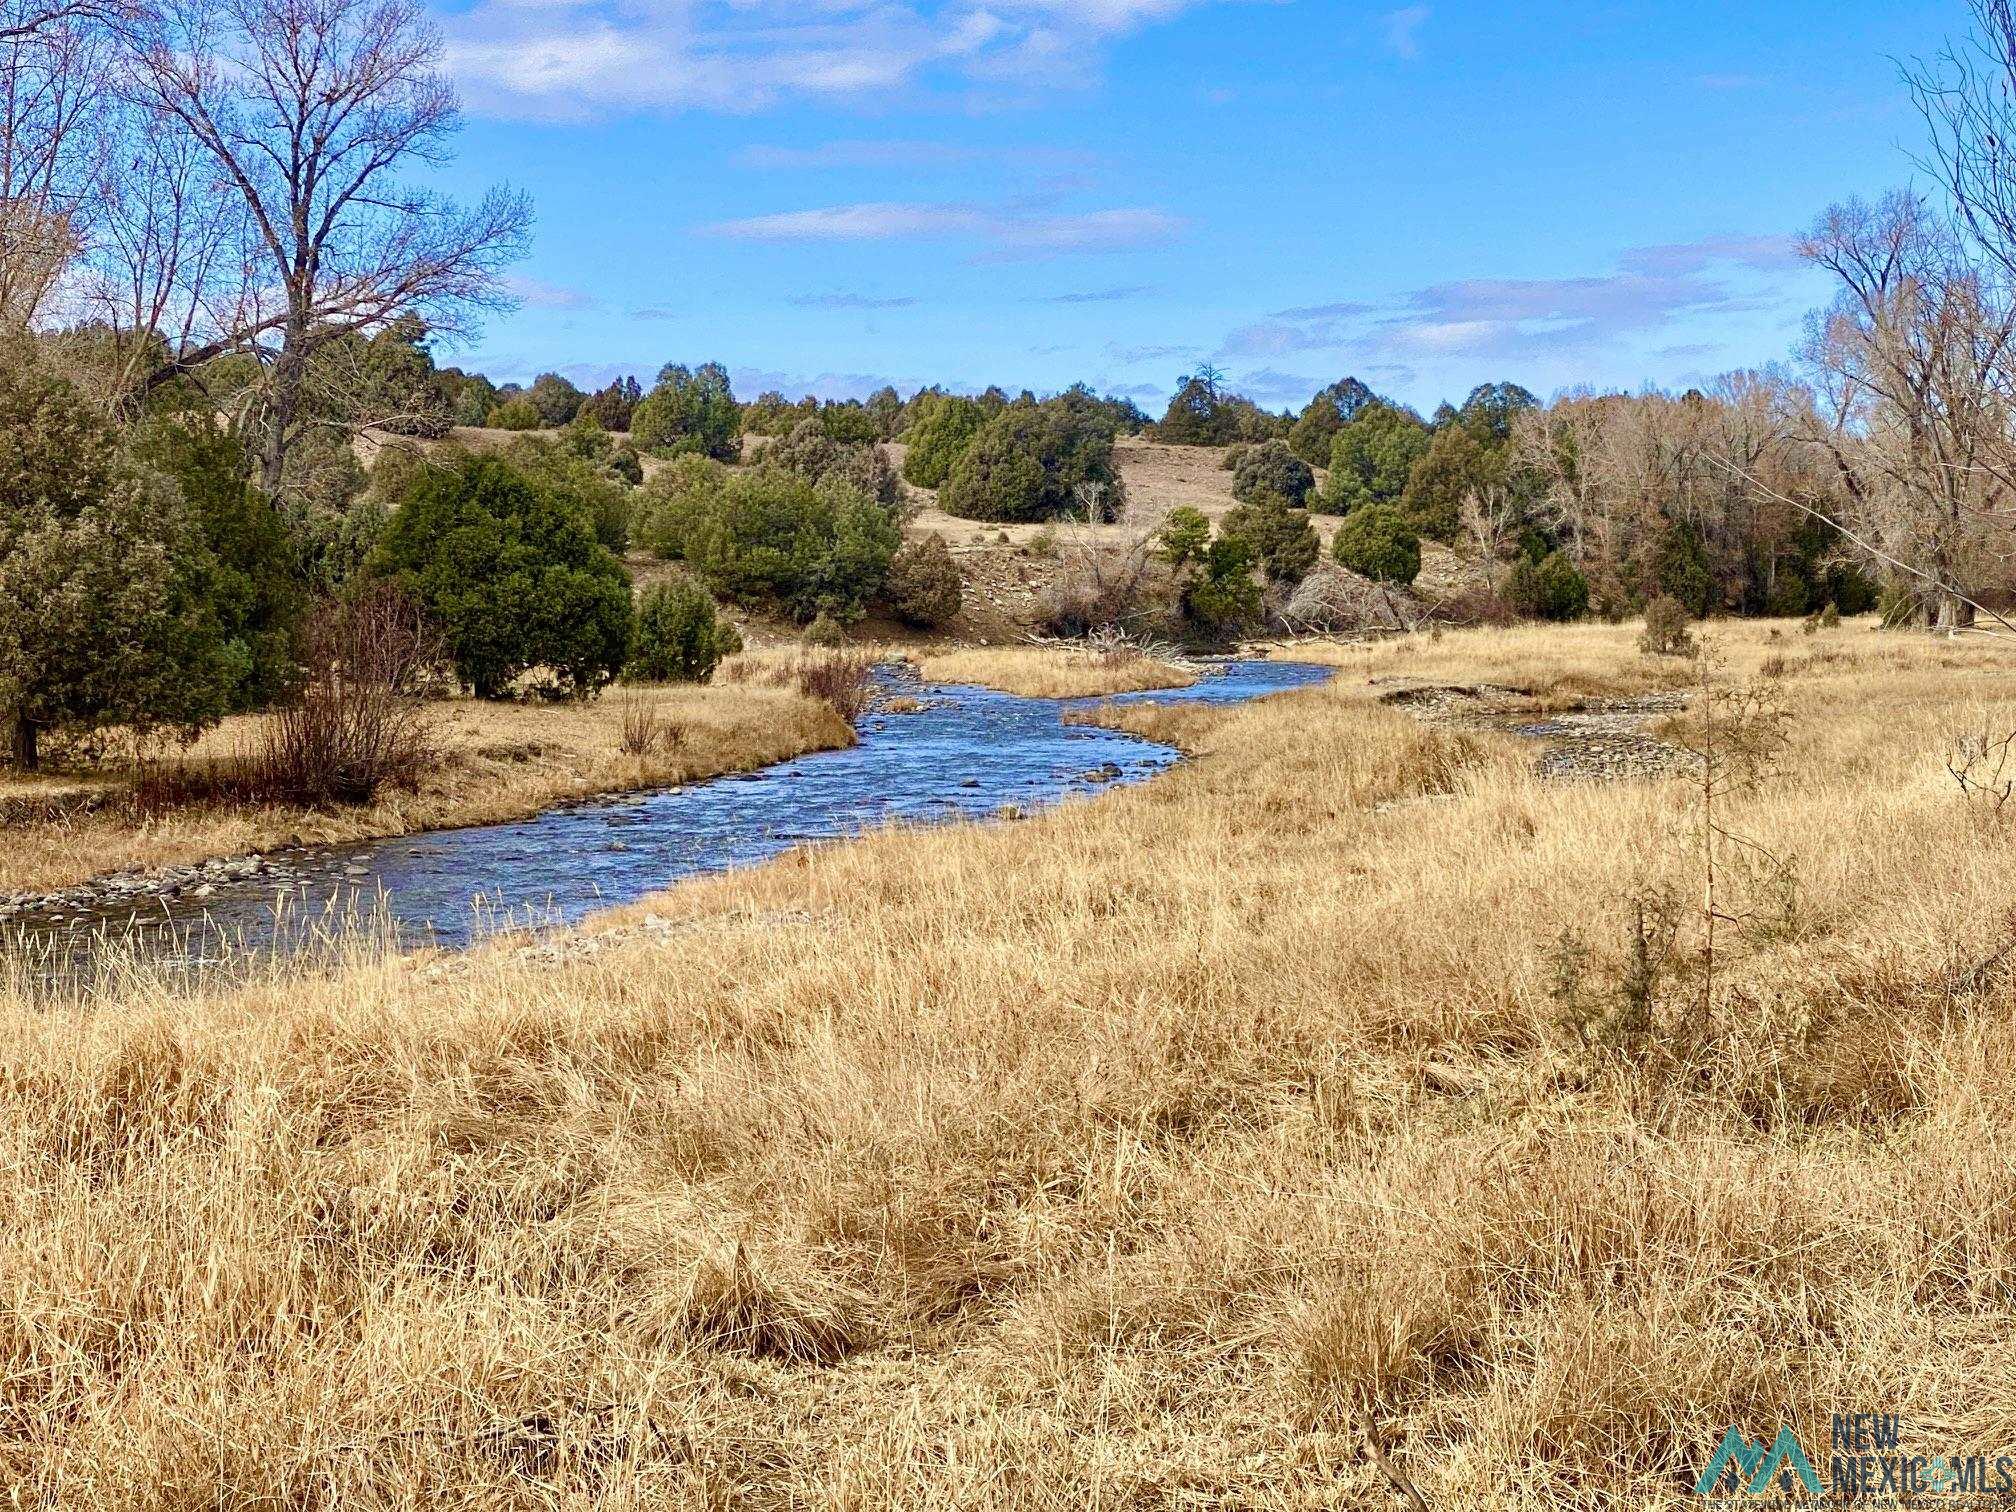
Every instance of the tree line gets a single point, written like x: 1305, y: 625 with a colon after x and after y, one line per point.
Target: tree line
x: 221, y: 293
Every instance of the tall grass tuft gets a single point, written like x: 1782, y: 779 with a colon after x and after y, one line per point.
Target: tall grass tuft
x: 646, y: 731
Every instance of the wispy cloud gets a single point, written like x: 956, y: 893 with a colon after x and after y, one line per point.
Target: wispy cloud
x: 1097, y: 296
x: 575, y: 59
x: 905, y: 154
x: 1648, y: 289
x: 538, y: 295
x: 1403, y: 29
x: 1271, y: 386
x: 849, y: 302
x: 1004, y: 233
x: 1131, y: 356
x: 749, y: 382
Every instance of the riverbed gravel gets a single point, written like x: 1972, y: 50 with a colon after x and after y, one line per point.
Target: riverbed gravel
x: 1600, y: 740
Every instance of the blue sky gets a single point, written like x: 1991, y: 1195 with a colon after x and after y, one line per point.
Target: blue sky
x: 831, y: 194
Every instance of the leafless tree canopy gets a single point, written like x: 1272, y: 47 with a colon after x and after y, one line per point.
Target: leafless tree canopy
x: 1965, y: 95
x: 53, y: 71
x: 1913, y: 366
x: 186, y: 179
x: 1611, y: 476
x: 310, y: 110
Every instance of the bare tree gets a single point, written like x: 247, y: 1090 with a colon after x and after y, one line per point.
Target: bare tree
x: 28, y: 20
x: 52, y: 77
x: 170, y: 261
x: 1491, y: 518
x: 1558, y: 446
x: 1912, y: 364
x: 1965, y: 95
x: 310, y: 111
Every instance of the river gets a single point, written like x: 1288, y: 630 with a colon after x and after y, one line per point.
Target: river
x: 966, y: 753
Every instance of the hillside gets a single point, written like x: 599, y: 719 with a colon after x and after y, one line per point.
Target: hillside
x: 1008, y: 569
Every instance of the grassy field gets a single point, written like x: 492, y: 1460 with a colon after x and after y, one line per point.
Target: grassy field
x: 1154, y: 1152
x: 498, y: 761
x: 1044, y: 672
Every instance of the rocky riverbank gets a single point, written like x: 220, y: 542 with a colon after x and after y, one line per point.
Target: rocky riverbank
x: 105, y: 898
x: 1601, y: 740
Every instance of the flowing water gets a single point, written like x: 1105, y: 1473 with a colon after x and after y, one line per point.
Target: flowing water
x: 966, y: 753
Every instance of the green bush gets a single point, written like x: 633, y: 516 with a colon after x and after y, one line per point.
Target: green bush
x: 1184, y: 536
x: 1372, y: 456
x: 1851, y: 590
x: 1455, y: 464
x: 612, y: 407
x: 940, y: 429
x: 514, y: 415
x: 924, y: 587
x: 1270, y: 468
x: 812, y: 453
x: 1035, y: 462
x: 1221, y: 594
x: 250, y: 587
x: 1311, y: 436
x: 1789, y: 595
x: 680, y: 636
x: 1282, y: 538
x: 328, y: 548
x: 771, y: 414
x: 885, y: 408
x: 105, y: 577
x: 1199, y: 415
x: 584, y: 437
x: 850, y: 423
x: 513, y: 576
x: 769, y: 536
x: 588, y: 489
x: 1681, y: 570
x: 1375, y: 542
x: 689, y: 412
x: 1549, y: 589
x: 471, y: 396
x: 1666, y: 632
x: 557, y: 400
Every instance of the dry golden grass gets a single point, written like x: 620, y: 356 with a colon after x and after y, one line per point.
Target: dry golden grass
x: 1052, y: 672
x: 499, y: 762
x: 1144, y: 1154
x: 1557, y: 662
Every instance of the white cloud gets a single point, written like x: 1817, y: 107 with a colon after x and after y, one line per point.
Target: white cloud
x: 1403, y: 28
x: 574, y: 59
x: 1097, y: 296
x: 1270, y: 386
x: 908, y: 154
x: 539, y: 295
x: 1649, y: 289
x: 863, y: 222
x: 749, y: 382
x: 849, y: 302
x: 1006, y: 234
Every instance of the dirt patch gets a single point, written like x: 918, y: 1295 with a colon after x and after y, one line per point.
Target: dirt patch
x: 1600, y: 740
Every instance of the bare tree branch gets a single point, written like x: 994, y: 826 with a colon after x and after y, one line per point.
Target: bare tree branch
x: 308, y: 111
